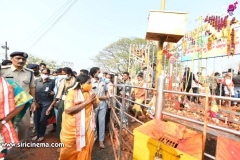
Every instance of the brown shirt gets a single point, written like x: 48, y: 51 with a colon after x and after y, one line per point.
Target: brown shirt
x: 24, y: 78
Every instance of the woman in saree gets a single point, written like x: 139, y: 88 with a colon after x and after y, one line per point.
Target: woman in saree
x: 78, y: 122
x: 13, y: 105
x: 139, y: 95
x: 68, y: 81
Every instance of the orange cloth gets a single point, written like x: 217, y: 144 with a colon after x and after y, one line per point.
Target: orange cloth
x: 140, y: 91
x: 68, y: 132
x: 140, y: 96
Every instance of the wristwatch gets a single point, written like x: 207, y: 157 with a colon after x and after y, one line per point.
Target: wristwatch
x: 3, y: 122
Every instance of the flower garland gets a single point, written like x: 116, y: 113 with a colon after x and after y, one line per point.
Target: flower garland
x: 216, y: 27
x: 228, y: 41
x: 233, y: 42
x: 210, y: 43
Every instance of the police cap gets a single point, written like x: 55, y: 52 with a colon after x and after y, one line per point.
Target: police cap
x: 23, y: 54
x: 6, y: 62
x: 32, y: 66
x: 230, y: 70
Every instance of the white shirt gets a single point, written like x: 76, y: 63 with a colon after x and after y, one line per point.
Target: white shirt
x: 194, y: 84
x: 231, y: 92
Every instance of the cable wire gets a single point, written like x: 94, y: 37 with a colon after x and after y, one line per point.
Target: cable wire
x: 57, y: 20
x: 47, y: 23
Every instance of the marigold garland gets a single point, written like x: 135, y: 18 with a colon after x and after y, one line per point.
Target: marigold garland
x: 233, y: 41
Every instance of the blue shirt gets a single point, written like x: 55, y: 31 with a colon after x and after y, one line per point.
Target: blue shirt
x: 99, y: 87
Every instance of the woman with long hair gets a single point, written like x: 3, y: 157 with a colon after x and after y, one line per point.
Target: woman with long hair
x: 78, y: 123
x: 68, y: 81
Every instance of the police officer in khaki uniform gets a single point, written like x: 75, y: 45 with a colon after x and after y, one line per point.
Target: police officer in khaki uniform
x: 25, y: 79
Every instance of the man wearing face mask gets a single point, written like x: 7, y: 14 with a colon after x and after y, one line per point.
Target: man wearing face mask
x: 37, y: 75
x: 104, y: 74
x: 35, y: 69
x: 58, y: 79
x: 109, y: 82
x: 44, y: 97
x: 127, y: 82
x: 99, y: 87
x: 42, y: 66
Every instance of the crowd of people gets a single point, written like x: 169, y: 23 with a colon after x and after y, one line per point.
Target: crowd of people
x: 227, y: 84
x: 78, y: 105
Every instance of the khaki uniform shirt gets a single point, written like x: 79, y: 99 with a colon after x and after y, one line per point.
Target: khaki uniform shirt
x: 24, y: 78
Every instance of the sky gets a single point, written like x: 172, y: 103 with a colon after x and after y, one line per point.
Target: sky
x: 88, y: 26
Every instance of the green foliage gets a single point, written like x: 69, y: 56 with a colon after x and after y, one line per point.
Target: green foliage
x: 51, y: 64
x: 115, y: 57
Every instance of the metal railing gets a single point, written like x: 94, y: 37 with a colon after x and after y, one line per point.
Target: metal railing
x: 120, y: 101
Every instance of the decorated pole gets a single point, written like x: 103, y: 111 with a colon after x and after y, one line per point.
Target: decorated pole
x: 163, y: 2
x: 159, y: 66
x: 161, y: 33
x: 159, y: 81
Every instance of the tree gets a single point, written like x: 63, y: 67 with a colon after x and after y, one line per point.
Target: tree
x: 51, y: 64
x: 115, y: 57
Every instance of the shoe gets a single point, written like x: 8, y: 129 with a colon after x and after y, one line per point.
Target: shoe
x: 40, y: 139
x: 101, y: 145
x: 35, y: 138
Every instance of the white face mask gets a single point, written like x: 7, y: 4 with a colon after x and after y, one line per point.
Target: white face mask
x: 100, y: 75
x: 62, y: 76
x: 67, y: 77
x: 107, y: 80
x: 44, y: 76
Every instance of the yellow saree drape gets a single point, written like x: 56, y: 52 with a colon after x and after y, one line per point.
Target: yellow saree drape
x: 68, y: 132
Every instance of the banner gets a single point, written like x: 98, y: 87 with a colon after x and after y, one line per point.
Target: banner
x: 199, y: 49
